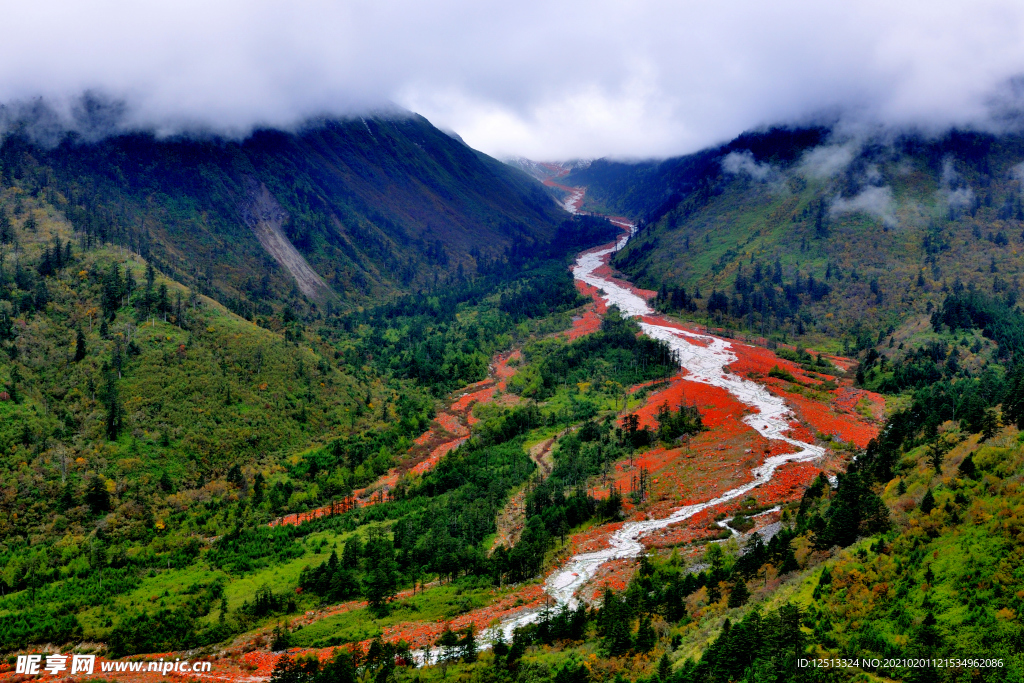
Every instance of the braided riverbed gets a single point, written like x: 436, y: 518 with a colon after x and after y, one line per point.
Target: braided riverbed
x: 704, y: 359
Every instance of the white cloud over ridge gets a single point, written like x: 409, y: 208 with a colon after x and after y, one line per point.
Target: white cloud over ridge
x: 874, y: 201
x: 826, y: 161
x: 957, y: 195
x: 740, y: 163
x: 546, y: 80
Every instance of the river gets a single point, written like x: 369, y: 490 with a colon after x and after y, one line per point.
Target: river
x: 705, y: 362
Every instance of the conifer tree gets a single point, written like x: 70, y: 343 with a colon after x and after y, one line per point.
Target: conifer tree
x: 967, y: 467
x: 96, y: 496
x: 467, y: 645
x: 351, y: 554
x: 12, y: 386
x: 112, y: 400
x: 739, y: 594
x: 6, y: 230
x: 258, y: 484
x: 67, y: 497
x: 646, y: 637
x: 79, y: 345
x: 664, y: 669
x: 928, y: 502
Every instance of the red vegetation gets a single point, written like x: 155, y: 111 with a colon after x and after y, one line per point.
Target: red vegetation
x: 835, y: 416
x: 788, y: 484
x: 449, y: 430
x: 760, y: 361
x: 421, y: 634
x: 585, y: 324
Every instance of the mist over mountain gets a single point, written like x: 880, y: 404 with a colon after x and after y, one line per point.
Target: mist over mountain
x: 298, y: 385
x: 576, y: 80
x: 343, y: 209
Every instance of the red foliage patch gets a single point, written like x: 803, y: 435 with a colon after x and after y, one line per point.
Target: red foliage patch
x: 449, y: 430
x: 585, y: 324
x: 789, y: 483
x: 836, y: 418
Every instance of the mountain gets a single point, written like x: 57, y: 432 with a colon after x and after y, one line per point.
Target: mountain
x: 191, y: 468
x: 647, y: 188
x: 343, y: 211
x: 800, y: 233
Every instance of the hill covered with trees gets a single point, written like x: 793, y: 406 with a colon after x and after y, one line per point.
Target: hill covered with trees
x: 188, y: 463
x: 376, y: 205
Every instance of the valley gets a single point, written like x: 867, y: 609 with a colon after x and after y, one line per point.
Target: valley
x: 756, y: 415
x: 657, y: 449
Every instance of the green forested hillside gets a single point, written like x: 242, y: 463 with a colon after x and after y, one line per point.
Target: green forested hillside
x: 148, y: 434
x: 854, y: 241
x: 377, y: 205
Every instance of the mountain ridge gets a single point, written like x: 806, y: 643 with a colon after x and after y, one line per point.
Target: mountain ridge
x: 370, y: 203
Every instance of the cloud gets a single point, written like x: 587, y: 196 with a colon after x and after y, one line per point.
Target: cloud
x: 875, y: 201
x: 957, y: 195
x: 827, y: 161
x: 960, y: 198
x: 742, y: 163
x: 545, y: 80
x: 1017, y: 173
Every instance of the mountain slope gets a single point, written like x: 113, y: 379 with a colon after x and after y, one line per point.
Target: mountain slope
x: 647, y: 189
x: 855, y: 240
x: 375, y: 205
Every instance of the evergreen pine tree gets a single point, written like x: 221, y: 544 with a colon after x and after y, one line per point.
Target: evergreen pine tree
x: 258, y: 484
x: 96, y: 496
x: 739, y: 594
x: 499, y: 647
x: 282, y: 639
x: 646, y: 637
x: 619, y: 640
x: 12, y: 386
x: 6, y: 230
x: 351, y: 554
x: 967, y: 467
x: 789, y: 564
x: 675, y: 605
x: 235, y: 477
x: 449, y: 643
x: 467, y: 645
x: 163, y: 304
x: 79, y: 345
x: 67, y: 497
x: 664, y: 669
x: 381, y: 581
x: 928, y: 502
x: 115, y: 412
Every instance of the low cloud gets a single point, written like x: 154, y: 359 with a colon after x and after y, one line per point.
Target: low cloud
x: 875, y: 201
x: 547, y: 81
x: 960, y: 198
x: 827, y: 161
x: 957, y: 195
x: 743, y: 163
x: 1017, y: 173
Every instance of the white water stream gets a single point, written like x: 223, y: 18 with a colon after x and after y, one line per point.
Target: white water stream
x: 704, y: 362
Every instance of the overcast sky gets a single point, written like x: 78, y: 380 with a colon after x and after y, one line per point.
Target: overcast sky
x: 547, y: 80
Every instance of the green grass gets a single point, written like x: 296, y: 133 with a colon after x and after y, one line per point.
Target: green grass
x: 750, y: 221
x: 434, y: 604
